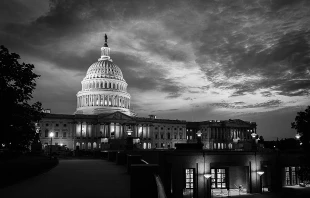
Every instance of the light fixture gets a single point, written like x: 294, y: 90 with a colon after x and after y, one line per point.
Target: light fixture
x: 253, y: 135
x: 260, y: 173
x: 61, y: 144
x: 297, y: 136
x: 207, y: 175
x: 129, y: 132
x: 51, y: 134
x: 199, y: 133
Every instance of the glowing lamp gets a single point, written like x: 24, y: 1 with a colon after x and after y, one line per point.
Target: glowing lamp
x: 51, y: 134
x: 208, y: 175
x: 199, y: 133
x: 253, y: 135
x: 129, y: 132
x: 61, y: 144
x: 260, y: 173
x: 297, y: 136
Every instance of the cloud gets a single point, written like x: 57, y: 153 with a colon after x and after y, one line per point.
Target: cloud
x: 242, y: 105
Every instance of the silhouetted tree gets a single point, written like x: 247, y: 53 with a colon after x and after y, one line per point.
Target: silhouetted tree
x: 302, y: 126
x: 17, y: 82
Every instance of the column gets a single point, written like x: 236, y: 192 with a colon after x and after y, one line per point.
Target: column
x: 109, y: 130
x: 115, y: 134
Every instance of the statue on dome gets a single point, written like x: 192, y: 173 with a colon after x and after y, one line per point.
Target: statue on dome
x: 106, y: 40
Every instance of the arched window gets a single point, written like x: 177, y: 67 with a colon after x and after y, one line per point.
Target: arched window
x: 110, y: 85
x: 101, y: 85
x: 94, y: 145
x: 105, y: 85
x: 89, y: 145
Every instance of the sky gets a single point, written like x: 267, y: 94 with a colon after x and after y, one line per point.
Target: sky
x: 182, y: 59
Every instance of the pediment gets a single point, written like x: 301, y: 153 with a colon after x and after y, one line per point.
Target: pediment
x: 116, y: 116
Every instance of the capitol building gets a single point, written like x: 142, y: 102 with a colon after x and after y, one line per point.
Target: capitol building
x: 103, y: 117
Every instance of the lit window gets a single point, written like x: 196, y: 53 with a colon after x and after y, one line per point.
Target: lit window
x: 291, y: 177
x: 218, y: 178
x: 189, y: 182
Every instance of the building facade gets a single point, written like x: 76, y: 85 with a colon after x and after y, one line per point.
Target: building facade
x: 103, y: 117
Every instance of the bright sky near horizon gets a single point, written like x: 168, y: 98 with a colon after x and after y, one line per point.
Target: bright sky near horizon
x: 191, y: 60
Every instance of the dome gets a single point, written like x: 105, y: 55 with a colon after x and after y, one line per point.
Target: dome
x: 104, y: 90
x: 104, y: 69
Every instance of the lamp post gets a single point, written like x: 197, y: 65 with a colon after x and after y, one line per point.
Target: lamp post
x: 260, y: 173
x: 198, y: 137
x: 129, y: 139
x: 208, y: 176
x: 51, y: 136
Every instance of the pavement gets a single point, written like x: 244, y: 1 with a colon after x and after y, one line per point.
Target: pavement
x: 286, y: 192
x: 78, y: 178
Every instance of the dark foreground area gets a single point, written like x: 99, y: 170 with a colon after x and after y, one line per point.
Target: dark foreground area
x: 16, y: 169
x: 76, y: 178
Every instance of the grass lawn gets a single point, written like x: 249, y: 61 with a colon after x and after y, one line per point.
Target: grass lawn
x: 22, y: 167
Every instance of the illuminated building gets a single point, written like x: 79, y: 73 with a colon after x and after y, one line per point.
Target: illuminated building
x: 103, y: 116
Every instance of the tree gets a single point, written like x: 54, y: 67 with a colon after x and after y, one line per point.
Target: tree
x: 302, y: 126
x: 17, y: 82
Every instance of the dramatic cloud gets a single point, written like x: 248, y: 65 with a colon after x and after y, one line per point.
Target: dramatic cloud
x: 189, y: 59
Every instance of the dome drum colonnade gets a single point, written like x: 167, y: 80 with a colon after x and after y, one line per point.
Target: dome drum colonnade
x: 104, y: 90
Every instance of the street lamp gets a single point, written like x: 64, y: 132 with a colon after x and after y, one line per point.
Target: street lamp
x: 51, y: 136
x: 199, y: 136
x: 260, y: 173
x: 297, y: 136
x: 129, y: 139
x: 253, y: 135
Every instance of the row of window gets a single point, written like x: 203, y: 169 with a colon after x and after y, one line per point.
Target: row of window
x: 104, y: 85
x: 168, y: 136
x: 162, y: 128
x: 56, y: 125
x: 103, y: 100
x: 162, y: 145
x: 57, y: 134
